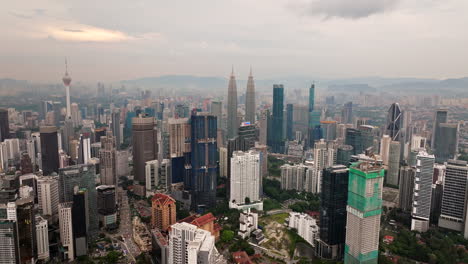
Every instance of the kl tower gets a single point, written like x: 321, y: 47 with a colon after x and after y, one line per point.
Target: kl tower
x: 66, y: 81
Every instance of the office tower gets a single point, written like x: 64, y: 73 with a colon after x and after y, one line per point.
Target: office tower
x: 123, y: 168
x: 217, y: 110
x: 57, y: 114
x: 42, y: 236
x: 250, y: 107
x: 66, y: 230
x: 245, y: 178
x: 80, y: 221
x: 360, y: 139
x: 84, y: 149
x: 26, y: 221
x: 248, y: 135
x: 179, y: 137
x: 189, y: 244
x: 115, y: 127
x: 107, y: 160
x: 343, y: 154
x: 333, y: 201
x: 66, y: 81
x: 98, y: 133
x: 418, y: 143
x: 68, y: 134
x: 385, y: 148
x: 311, y: 98
x: 436, y: 201
x: 347, y: 113
x: 163, y: 211
x: 393, y: 163
x: 223, y: 162
x: 4, y: 125
x: 406, y: 188
x: 83, y: 176
x: 454, y: 199
x: 277, y: 138
x: 439, y: 118
x: 328, y: 129
x: 106, y: 205
x: 201, y: 178
x: 363, y: 213
x: 263, y: 127
x: 394, y: 122
x: 232, y: 121
x: 75, y: 115
x: 9, y: 246
x: 289, y: 122
x: 422, y: 192
x: 49, y: 149
x: 26, y: 164
x: 447, y: 142
x: 48, y: 195
x: 145, y: 146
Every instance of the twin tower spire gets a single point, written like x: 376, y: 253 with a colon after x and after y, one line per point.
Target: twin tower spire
x: 233, y: 122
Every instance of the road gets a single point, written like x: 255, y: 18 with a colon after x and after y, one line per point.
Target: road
x: 125, y: 228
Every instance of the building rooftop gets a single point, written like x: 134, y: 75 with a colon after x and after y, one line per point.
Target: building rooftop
x: 162, y: 199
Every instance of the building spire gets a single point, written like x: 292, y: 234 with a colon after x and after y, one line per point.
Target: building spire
x: 66, y: 66
x: 250, y: 74
x: 232, y: 71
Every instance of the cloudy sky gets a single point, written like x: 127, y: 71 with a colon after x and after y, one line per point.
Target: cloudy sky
x: 109, y: 40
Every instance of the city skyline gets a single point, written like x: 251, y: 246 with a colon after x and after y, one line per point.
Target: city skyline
x: 307, y: 36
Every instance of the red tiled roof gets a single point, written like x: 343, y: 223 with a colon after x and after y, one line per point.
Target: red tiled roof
x: 204, y: 219
x: 188, y: 219
x: 162, y: 199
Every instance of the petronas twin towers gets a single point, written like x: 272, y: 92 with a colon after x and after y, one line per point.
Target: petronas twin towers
x: 232, y: 121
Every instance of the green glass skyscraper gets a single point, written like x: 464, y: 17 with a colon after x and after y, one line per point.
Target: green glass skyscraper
x: 276, y: 134
x: 363, y: 213
x: 311, y: 98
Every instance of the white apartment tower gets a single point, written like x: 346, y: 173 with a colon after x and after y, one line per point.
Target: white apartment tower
x: 245, y: 177
x: 42, y: 237
x: 66, y: 229
x: 422, y: 192
x: 48, y: 194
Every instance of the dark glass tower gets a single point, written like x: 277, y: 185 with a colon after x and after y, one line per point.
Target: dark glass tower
x: 289, y: 121
x: 311, y: 98
x: 440, y: 117
x: 49, y: 149
x: 4, y: 125
x: 347, y: 113
x: 26, y: 229
x: 334, y: 197
x: 145, y: 147
x: 394, y: 122
x: 201, y: 177
x: 446, y: 142
x: 343, y: 155
x: 80, y: 221
x: 276, y: 133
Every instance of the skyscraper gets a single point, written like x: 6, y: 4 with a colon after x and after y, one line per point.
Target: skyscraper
x: 26, y: 221
x: 250, y: 107
x: 277, y: 138
x: 145, y: 146
x: 9, y: 244
x: 66, y: 230
x: 80, y: 221
x: 107, y: 159
x: 439, y: 118
x: 106, y: 206
x: 454, y: 199
x: 333, y: 203
x: 163, y: 211
x: 217, y: 110
x: 245, y: 182
x: 115, y: 127
x: 343, y: 154
x: 363, y: 213
x: 48, y: 195
x: 311, y: 98
x: 49, y: 149
x: 347, y: 113
x: 289, y: 122
x: 406, y: 188
x: 201, y: 177
x: 385, y: 148
x: 422, y: 192
x: 4, y: 125
x: 446, y: 142
x: 232, y: 121
x: 394, y: 122
x: 393, y: 163
x: 42, y: 236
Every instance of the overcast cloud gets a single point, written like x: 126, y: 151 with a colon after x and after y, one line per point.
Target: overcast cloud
x: 110, y: 40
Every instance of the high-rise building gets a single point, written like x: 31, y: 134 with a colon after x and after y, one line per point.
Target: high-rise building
x: 263, y: 127
x: 49, y: 149
x: 394, y: 127
x: 333, y: 201
x: 289, y: 122
x: 145, y: 147
x: 454, y: 199
x: 223, y: 162
x: 217, y: 110
x: 250, y: 107
x: 422, y: 192
x: 347, y: 113
x: 66, y: 230
x: 446, y: 142
x: 232, y: 122
x: 9, y: 244
x: 107, y: 160
x: 393, y: 163
x: 189, y: 244
x: 363, y: 213
x: 276, y: 133
x: 343, y: 154
x: 75, y: 115
x: 80, y: 221
x: 42, y: 236
x: 158, y: 176
x: 163, y: 211
x: 179, y: 137
x: 324, y: 155
x: 360, y: 139
x: 48, y: 195
x: 4, y: 125
x: 311, y: 98
x: 107, y: 205
x: 81, y: 176
x: 248, y: 135
x: 26, y: 221
x: 245, y: 182
x: 202, y: 170
x: 300, y: 177
x: 439, y: 118
x: 385, y: 148
x: 406, y: 188
x: 329, y: 130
